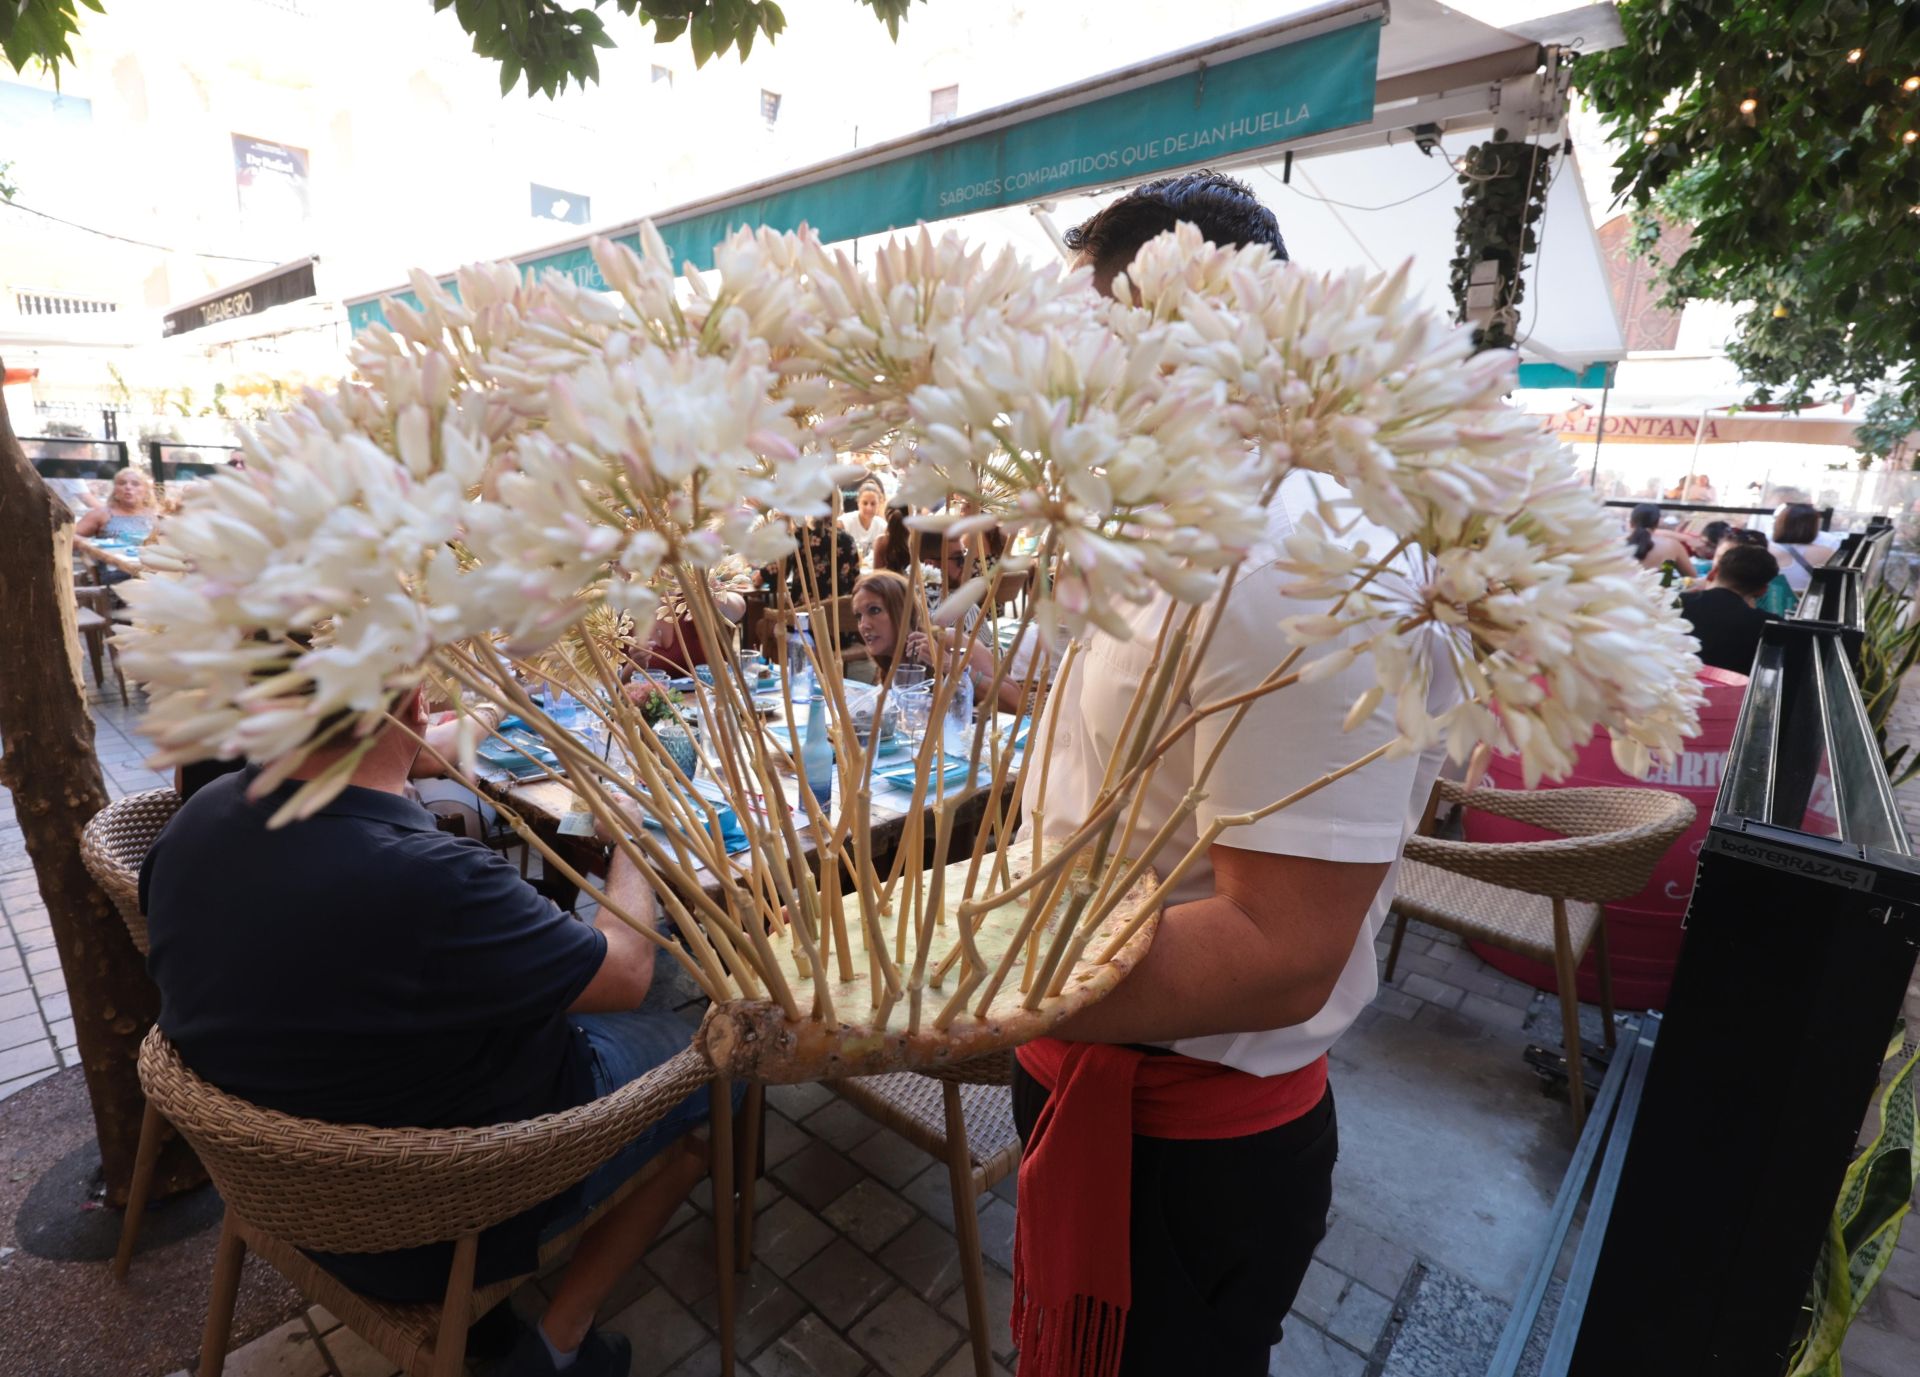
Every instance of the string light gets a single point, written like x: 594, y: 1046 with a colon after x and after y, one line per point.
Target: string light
x: 1855, y: 54
x: 1749, y: 105
x: 1651, y: 136
x: 1910, y: 136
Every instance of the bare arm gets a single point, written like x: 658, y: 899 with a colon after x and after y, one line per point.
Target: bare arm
x: 626, y: 973
x: 1264, y: 951
x: 91, y: 522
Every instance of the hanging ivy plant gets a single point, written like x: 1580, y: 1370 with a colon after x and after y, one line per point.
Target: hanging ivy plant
x: 1506, y: 193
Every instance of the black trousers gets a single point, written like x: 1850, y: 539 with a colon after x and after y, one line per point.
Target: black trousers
x: 1221, y: 1232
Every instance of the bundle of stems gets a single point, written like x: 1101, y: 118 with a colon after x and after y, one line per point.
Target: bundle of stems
x: 811, y: 919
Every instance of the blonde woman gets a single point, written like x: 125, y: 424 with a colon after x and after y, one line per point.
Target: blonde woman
x: 129, y: 513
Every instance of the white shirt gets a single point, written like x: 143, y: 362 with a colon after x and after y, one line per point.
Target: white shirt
x: 1289, y: 738
x: 863, y: 536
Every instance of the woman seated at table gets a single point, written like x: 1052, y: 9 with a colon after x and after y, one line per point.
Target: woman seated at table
x: 893, y: 547
x: 128, y: 515
x: 1796, y: 543
x: 1652, y: 545
x: 887, y: 621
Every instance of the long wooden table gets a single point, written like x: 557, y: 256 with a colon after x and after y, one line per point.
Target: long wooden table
x: 544, y: 802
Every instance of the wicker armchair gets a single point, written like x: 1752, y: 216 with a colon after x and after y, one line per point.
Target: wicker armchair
x: 113, y: 845
x: 295, y: 1183
x: 1542, y: 899
x: 962, y: 1115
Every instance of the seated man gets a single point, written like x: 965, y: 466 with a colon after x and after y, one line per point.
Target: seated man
x: 1723, y: 614
x: 363, y: 967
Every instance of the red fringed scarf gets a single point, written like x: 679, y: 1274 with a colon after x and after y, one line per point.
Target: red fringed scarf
x: 1072, y: 1278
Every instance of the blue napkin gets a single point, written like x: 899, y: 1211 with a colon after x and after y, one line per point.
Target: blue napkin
x: 732, y: 835
x: 500, y: 755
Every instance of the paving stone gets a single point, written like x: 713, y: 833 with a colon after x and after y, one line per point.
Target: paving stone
x: 46, y: 959
x: 25, y: 1061
x: 353, y: 1356
x: 764, y: 1307
x: 787, y: 1235
x: 1320, y: 1292
x: 661, y: 1330
x: 784, y: 1138
x: 18, y: 1032
x: 56, y: 1006
x: 870, y: 1215
x: 1362, y: 1318
x: 840, y: 1125
x: 1396, y: 1002
x: 904, y: 1335
x: 996, y: 1231
x: 961, y: 1365
x: 20, y: 1004
x: 1433, y: 991
x: 798, y: 1101
x: 19, y: 1083
x: 289, y: 1351
x: 704, y: 1361
x: 999, y: 1304
x: 13, y: 969
x: 891, y: 1158
x: 817, y: 1175
x: 61, y: 1030
x: 1366, y: 1256
x: 1493, y: 1012
x: 1304, y: 1351
x: 841, y: 1283
x: 809, y: 1349
x: 322, y: 1319
x: 926, y: 1257
x: 49, y: 982
x: 685, y: 1261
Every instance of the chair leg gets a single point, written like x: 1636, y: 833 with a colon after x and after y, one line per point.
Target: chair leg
x: 1603, y: 963
x: 96, y: 647
x: 228, y: 1255
x: 456, y: 1310
x: 966, y: 1227
x: 752, y: 1134
x: 720, y: 1158
x: 152, y: 1127
x: 1393, y: 952
x: 1566, y: 977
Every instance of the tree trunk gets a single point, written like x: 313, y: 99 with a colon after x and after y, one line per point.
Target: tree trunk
x: 49, y: 764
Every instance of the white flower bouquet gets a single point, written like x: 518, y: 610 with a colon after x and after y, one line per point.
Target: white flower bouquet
x: 515, y: 472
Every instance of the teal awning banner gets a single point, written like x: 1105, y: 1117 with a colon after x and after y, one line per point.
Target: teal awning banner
x: 1533, y: 375
x: 1314, y: 84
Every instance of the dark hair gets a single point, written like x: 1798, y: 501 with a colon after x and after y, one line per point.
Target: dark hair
x: 1642, y: 521
x: 893, y: 547
x: 1746, y: 569
x: 1714, y: 532
x: 1795, y: 523
x: 1224, y: 210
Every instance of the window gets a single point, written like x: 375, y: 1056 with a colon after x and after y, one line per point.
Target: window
x: 945, y: 103
x: 661, y: 74
x: 769, y: 106
x: 36, y: 304
x: 569, y: 207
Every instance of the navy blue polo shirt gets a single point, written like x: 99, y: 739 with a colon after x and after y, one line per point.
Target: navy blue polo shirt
x: 363, y: 967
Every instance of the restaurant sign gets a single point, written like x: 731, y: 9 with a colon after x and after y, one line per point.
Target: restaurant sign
x: 1213, y: 111
x: 1584, y: 423
x: 293, y: 282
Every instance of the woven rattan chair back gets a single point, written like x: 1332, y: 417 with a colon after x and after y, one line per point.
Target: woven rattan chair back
x: 114, y: 844
x: 1608, y: 842
x: 354, y: 1189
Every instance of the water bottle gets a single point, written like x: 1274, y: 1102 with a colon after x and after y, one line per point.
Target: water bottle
x: 816, y: 752
x: 958, y: 734
x: 562, y: 709
x: 800, y: 685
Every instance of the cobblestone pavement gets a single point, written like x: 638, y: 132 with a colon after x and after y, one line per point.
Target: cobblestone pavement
x: 855, y: 1273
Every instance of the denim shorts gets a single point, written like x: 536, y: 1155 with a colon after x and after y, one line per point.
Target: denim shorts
x: 625, y: 1046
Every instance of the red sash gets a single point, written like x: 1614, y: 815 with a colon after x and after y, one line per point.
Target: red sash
x: 1072, y: 1282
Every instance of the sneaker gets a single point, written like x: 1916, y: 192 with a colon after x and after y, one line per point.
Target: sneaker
x: 600, y: 1355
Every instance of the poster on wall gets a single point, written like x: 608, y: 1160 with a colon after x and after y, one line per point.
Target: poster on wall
x: 271, y: 179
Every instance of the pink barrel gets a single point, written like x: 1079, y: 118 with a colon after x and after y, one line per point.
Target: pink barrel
x: 1643, y: 932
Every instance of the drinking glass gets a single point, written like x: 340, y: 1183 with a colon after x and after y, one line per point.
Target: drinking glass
x: 912, y: 708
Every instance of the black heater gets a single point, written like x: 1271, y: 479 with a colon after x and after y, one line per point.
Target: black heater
x: 1801, y: 939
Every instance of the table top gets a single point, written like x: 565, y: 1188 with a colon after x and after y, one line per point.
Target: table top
x: 544, y: 801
